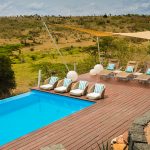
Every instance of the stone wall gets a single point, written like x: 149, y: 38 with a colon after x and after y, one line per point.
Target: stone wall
x: 137, y: 139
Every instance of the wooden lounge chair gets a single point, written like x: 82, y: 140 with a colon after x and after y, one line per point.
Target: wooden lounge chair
x: 63, y: 86
x: 145, y: 77
x: 129, y: 71
x: 50, y: 83
x: 79, y: 88
x: 112, y: 65
x: 96, y: 91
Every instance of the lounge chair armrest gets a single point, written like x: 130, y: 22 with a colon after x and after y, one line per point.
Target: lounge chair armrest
x: 55, y: 84
x: 69, y: 87
x: 139, y: 70
x: 46, y: 81
x: 103, y: 94
x: 85, y: 90
x: 75, y: 85
x: 91, y: 89
x: 60, y: 83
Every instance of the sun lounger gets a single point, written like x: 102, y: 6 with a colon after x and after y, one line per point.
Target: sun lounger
x: 79, y: 88
x: 50, y: 83
x: 112, y: 65
x: 96, y: 91
x: 146, y: 76
x: 129, y: 71
x: 63, y: 86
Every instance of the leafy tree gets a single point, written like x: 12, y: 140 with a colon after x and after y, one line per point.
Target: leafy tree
x: 105, y: 16
x: 8, y: 49
x: 7, y: 79
x: 33, y: 34
x: 106, y: 46
x: 23, y: 39
x: 92, y: 51
x: 106, y: 49
x: 122, y: 51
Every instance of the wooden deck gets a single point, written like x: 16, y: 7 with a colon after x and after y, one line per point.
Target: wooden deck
x: 102, y: 121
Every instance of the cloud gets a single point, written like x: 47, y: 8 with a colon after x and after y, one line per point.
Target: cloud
x: 36, y: 6
x: 5, y: 6
x: 139, y: 7
x: 72, y: 7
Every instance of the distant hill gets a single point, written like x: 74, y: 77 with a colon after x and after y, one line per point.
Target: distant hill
x: 17, y: 27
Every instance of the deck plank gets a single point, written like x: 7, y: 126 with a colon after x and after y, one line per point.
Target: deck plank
x: 102, y: 121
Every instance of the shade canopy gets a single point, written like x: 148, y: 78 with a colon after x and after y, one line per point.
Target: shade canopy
x: 142, y: 35
x: 89, y: 31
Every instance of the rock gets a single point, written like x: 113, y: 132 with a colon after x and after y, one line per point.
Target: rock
x: 136, y: 128
x: 122, y: 139
x: 138, y: 138
x: 144, y: 120
x: 120, y: 142
x: 120, y: 147
x: 141, y: 146
x: 147, y: 133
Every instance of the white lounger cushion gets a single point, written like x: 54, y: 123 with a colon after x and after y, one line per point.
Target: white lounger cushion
x: 61, y: 89
x: 67, y: 82
x: 82, y: 85
x: 76, y: 92
x: 94, y: 95
x: 46, y: 87
x: 53, y: 80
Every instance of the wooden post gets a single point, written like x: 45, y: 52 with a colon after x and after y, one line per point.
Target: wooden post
x: 75, y: 67
x: 39, y: 78
x: 98, y: 49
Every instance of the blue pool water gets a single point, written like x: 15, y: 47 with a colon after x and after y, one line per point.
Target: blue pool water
x: 22, y: 114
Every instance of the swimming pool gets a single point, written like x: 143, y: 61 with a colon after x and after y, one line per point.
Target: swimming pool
x: 22, y: 114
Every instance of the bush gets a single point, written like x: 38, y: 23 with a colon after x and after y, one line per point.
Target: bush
x: 85, y: 66
x: 7, y: 78
x: 49, y: 69
x: 31, y: 49
x: 33, y: 57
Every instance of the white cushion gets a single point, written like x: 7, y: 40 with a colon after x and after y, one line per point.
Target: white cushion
x: 99, y: 88
x: 76, y: 92
x: 67, y: 82
x: 53, y: 80
x: 46, y: 86
x: 82, y: 85
x: 94, y: 95
x: 60, y: 89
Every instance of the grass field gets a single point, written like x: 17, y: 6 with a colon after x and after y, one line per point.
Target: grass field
x: 26, y: 75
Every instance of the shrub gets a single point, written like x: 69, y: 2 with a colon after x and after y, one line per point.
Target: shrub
x: 48, y: 69
x: 7, y: 78
x: 31, y: 49
x: 33, y: 57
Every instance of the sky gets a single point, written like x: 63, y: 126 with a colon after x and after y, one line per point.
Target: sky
x: 73, y: 7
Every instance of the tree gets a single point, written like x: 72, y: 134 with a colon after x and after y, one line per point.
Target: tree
x: 92, y: 51
x: 23, y: 40
x: 33, y: 34
x: 106, y: 46
x: 7, y: 79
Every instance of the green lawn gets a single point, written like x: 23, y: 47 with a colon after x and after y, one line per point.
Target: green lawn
x: 26, y: 74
